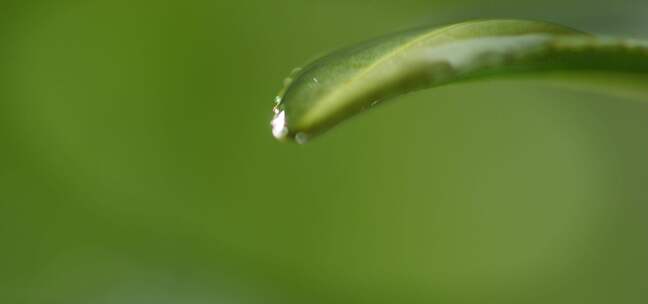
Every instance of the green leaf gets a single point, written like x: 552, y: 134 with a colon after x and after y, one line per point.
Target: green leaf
x: 346, y: 82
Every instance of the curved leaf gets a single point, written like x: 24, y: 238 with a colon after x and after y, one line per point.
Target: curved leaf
x: 351, y: 80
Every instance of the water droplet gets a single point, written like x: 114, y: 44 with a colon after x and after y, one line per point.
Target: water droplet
x: 316, y: 80
x: 373, y: 103
x: 278, y: 123
x: 275, y: 109
x: 301, y: 138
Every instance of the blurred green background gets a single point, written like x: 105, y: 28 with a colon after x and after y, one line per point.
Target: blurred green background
x: 137, y: 164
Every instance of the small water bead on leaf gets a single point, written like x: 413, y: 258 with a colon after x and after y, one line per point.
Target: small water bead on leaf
x: 275, y: 109
x: 344, y: 83
x: 301, y: 138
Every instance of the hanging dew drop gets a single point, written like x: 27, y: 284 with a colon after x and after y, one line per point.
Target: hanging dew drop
x: 278, y: 123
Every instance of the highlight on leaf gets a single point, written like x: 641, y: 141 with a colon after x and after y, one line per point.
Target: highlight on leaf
x: 339, y: 85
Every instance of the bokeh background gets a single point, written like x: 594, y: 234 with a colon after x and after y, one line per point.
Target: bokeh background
x: 137, y: 165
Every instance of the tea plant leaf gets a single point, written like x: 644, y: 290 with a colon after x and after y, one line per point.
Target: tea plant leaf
x: 346, y: 82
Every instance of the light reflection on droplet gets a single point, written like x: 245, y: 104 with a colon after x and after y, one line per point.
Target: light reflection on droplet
x: 278, y: 123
